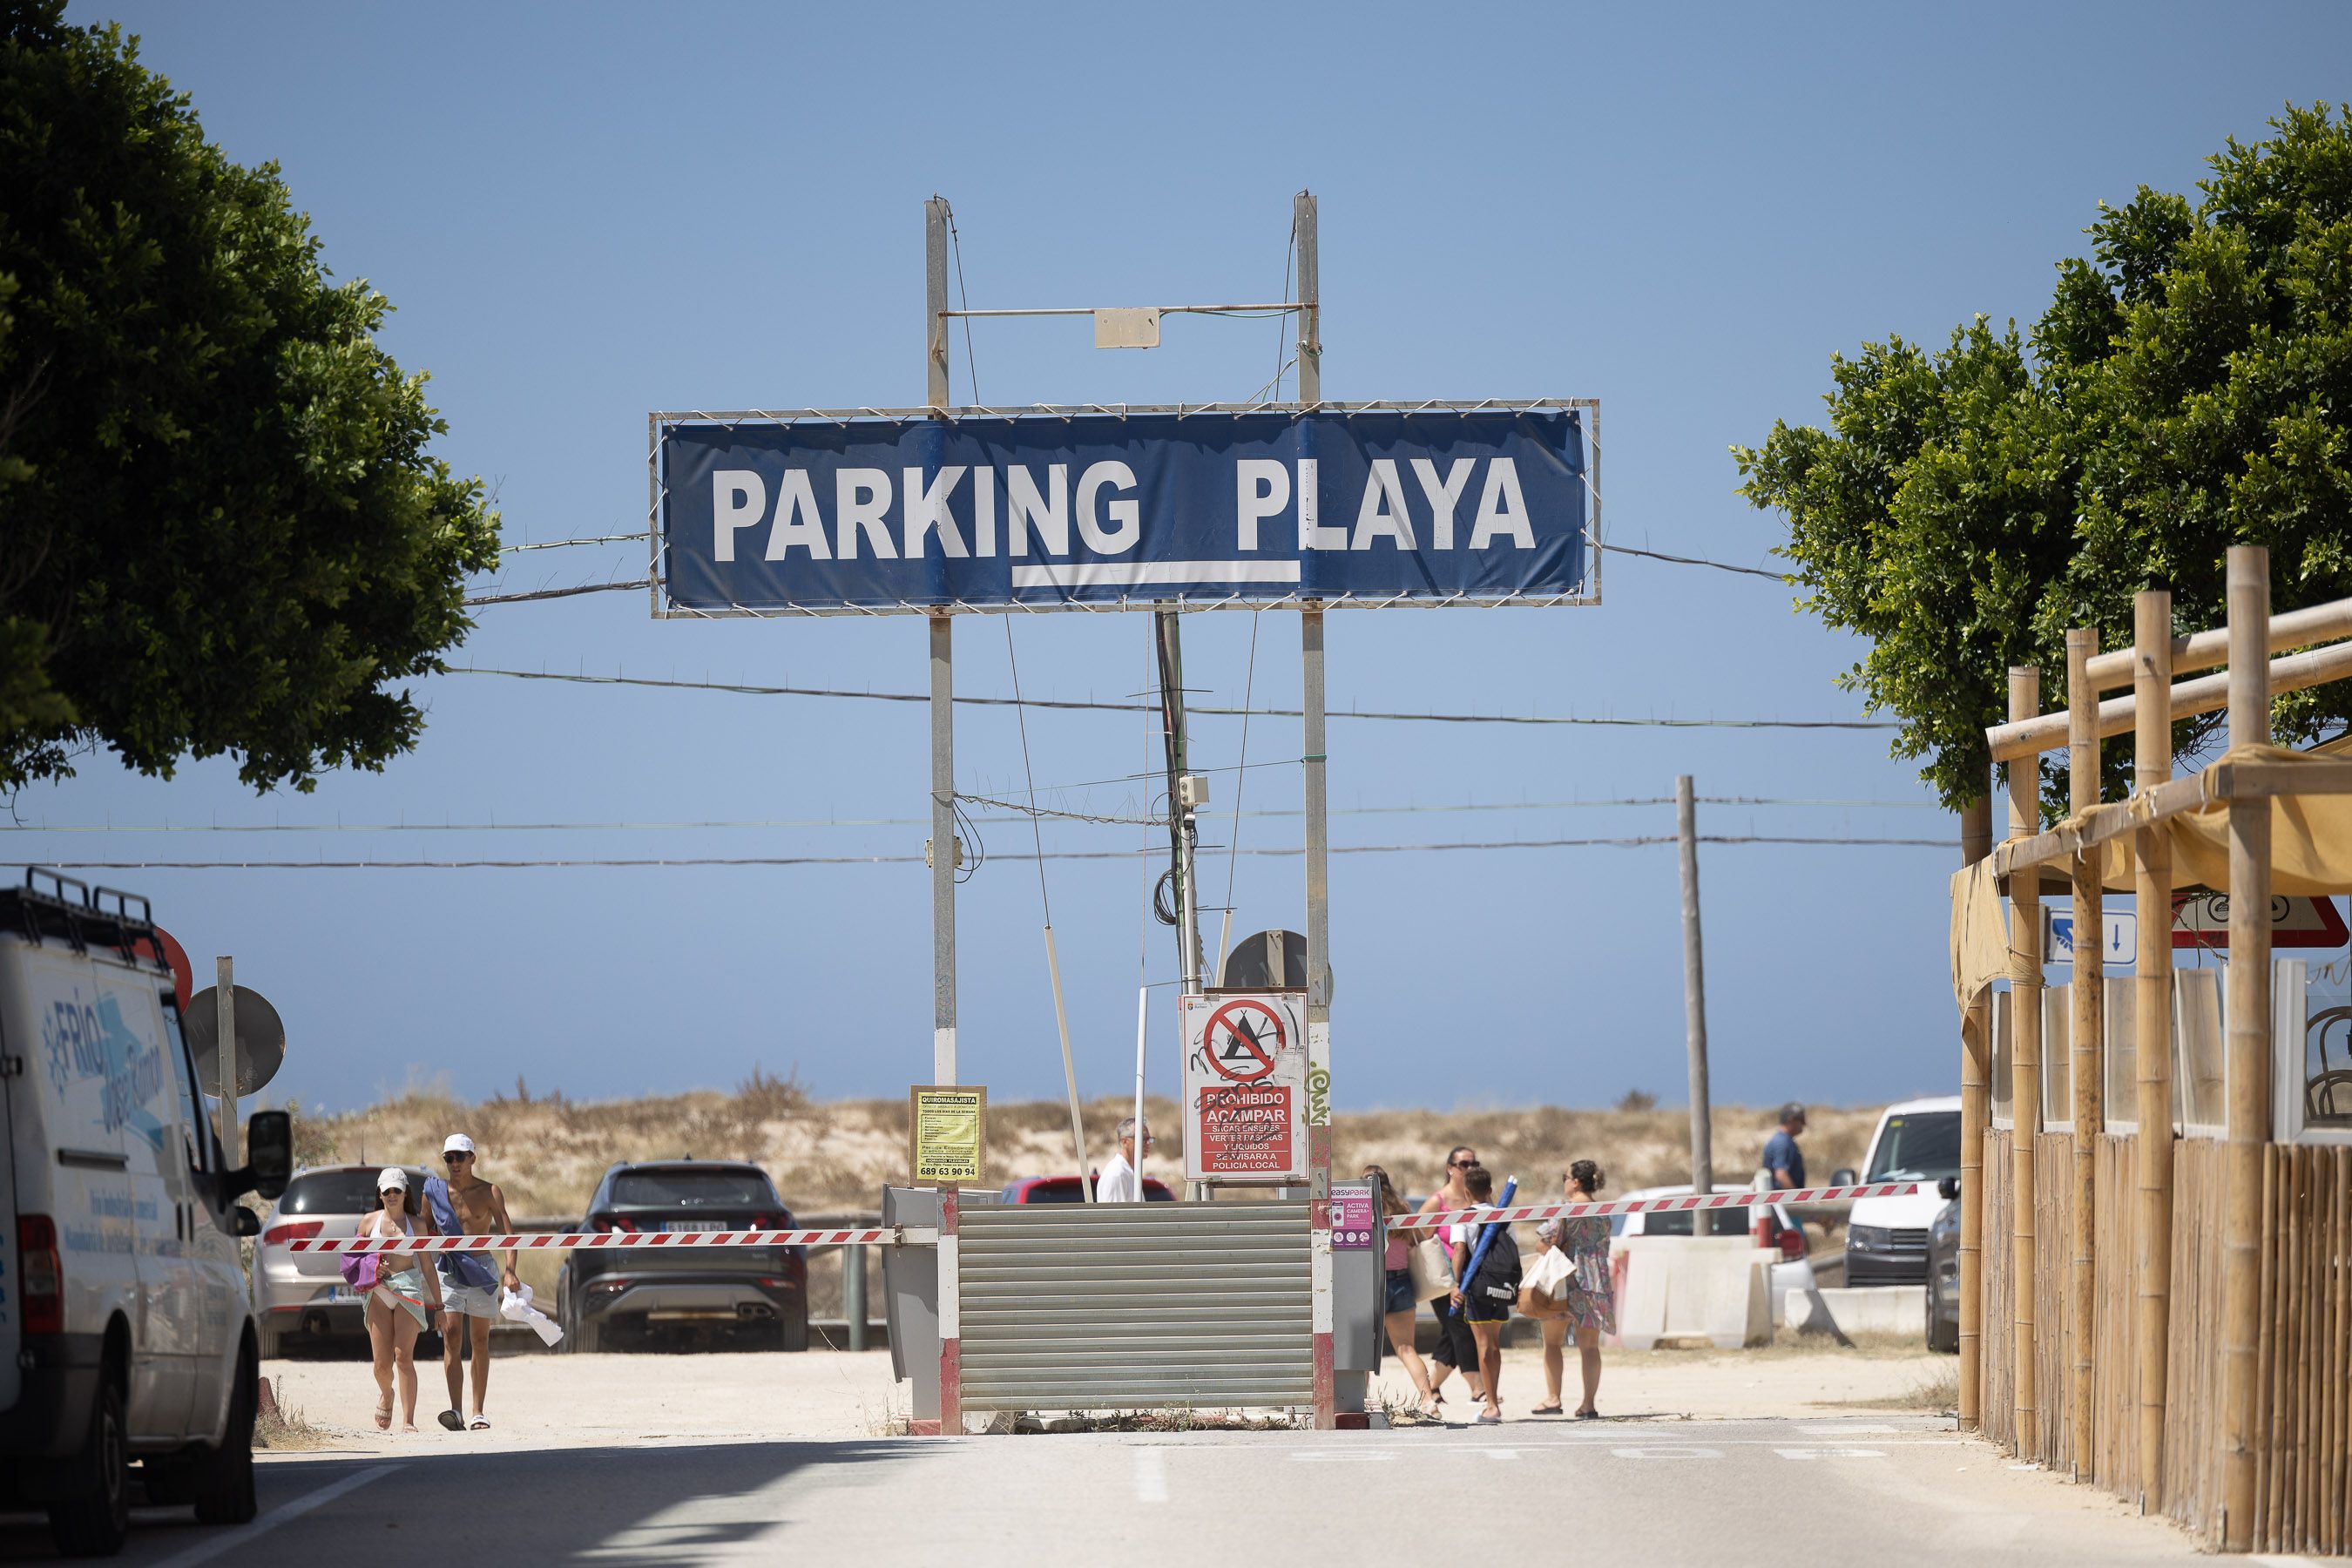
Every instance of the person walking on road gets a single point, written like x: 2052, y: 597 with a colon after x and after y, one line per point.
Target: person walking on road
x: 1121, y: 1181
x: 1485, y: 1298
x: 462, y: 1204
x: 405, y: 1296
x: 1590, y: 1299
x: 1784, y: 1162
x: 1399, y: 1309
x: 1457, y: 1349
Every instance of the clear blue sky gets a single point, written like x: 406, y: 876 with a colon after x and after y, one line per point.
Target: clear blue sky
x: 584, y: 213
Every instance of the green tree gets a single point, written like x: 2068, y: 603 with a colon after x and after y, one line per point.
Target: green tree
x: 2188, y: 389
x: 220, y: 530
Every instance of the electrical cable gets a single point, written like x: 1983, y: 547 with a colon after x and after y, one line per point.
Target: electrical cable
x: 477, y: 599
x: 1091, y: 706
x: 1696, y: 560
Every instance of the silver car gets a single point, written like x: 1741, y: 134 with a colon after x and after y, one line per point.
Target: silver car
x: 302, y: 1294
x: 1769, y: 1225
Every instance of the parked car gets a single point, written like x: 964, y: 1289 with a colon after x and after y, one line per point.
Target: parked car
x: 1886, y: 1238
x: 605, y: 1301
x: 1767, y: 1225
x: 302, y: 1294
x: 1069, y: 1190
x: 1944, y: 1271
x: 124, y: 1330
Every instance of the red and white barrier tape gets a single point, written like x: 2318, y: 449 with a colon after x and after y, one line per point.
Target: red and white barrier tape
x: 1683, y: 1204
x: 552, y: 1241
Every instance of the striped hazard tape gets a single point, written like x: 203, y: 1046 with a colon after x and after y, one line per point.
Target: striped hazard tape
x: 1680, y: 1204
x: 599, y: 1241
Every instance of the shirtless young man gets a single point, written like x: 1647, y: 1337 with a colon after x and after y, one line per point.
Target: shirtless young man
x: 465, y: 1204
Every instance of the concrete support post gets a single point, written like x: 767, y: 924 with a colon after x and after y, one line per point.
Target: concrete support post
x: 1694, y: 1006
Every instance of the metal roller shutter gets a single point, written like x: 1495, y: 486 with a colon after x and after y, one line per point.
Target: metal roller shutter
x: 1135, y: 1306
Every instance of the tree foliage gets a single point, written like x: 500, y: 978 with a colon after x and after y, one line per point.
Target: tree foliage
x: 220, y: 530
x: 2188, y: 389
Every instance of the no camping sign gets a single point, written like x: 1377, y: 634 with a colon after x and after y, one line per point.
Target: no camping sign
x: 1244, y: 1087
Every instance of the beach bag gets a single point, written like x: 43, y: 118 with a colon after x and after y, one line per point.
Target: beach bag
x: 1544, y: 1292
x: 1432, y: 1269
x: 361, y: 1270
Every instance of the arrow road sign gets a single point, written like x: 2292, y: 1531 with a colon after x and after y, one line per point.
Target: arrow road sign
x: 2118, y: 937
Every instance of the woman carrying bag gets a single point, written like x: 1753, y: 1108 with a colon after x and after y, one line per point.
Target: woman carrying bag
x: 1400, y: 1303
x: 1457, y: 1349
x: 400, y: 1296
x: 1587, y: 1301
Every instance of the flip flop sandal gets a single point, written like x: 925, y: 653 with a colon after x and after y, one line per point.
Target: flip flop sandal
x: 1590, y: 1416
x: 452, y: 1420
x: 1546, y: 1410
x: 1488, y: 1418
x: 384, y: 1414
x: 478, y: 1424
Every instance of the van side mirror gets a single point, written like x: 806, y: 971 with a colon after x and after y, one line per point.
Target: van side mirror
x: 269, y: 1155
x: 1949, y: 1188
x: 1843, y: 1176
x: 242, y: 1221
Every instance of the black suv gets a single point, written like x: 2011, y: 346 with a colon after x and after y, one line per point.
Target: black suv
x: 731, y: 1294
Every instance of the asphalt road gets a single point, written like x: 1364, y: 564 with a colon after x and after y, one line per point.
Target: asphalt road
x: 1831, y: 1493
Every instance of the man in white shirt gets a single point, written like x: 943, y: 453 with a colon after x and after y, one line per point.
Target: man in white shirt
x: 1119, y: 1182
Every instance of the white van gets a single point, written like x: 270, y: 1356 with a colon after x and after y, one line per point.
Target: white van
x: 1886, y: 1238
x: 124, y: 1332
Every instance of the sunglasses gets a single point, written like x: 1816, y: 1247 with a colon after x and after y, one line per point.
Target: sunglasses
x: 451, y: 1158
x: 1460, y: 1164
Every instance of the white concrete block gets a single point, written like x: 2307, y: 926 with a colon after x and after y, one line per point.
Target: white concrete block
x: 1868, y: 1309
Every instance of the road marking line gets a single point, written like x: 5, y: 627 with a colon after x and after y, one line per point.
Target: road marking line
x: 1343, y: 1456
x: 1855, y: 1431
x: 1501, y: 1453
x: 1667, y: 1452
x: 228, y: 1538
x: 1151, y: 1475
x: 1830, y: 1453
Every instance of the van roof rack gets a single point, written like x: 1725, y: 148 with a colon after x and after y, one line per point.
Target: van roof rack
x: 52, y: 905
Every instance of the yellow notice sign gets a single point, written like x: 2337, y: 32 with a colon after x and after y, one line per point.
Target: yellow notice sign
x: 947, y: 1135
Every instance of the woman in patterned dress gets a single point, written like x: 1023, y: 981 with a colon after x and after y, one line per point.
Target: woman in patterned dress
x: 1591, y: 1302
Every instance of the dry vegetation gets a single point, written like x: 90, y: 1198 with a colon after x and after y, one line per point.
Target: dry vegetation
x: 547, y: 1152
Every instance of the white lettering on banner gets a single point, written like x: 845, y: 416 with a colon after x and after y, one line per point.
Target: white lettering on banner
x: 926, y: 510
x: 1383, y: 509
x: 861, y: 500
x: 1503, y: 508
x: 1261, y: 489
x: 1050, y: 513
x: 983, y: 512
x: 797, y: 521
x: 1311, y: 535
x: 1443, y: 495
x: 1127, y: 514
x: 738, y: 499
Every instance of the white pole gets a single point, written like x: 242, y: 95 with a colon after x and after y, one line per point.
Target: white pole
x: 224, y: 1023
x: 1142, y: 1030
x: 1069, y: 1073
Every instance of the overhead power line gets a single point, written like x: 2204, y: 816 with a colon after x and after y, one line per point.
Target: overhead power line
x: 556, y: 592
x: 1696, y: 560
x: 782, y: 860
x: 567, y: 543
x: 1020, y: 812
x: 1074, y: 705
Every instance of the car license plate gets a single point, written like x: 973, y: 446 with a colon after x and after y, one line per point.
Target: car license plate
x: 694, y: 1224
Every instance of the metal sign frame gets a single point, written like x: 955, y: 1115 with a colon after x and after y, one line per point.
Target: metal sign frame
x: 1144, y: 598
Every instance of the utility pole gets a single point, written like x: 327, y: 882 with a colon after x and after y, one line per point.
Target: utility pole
x: 943, y: 846
x: 1184, y: 833
x: 1695, y: 1008
x: 225, y: 1031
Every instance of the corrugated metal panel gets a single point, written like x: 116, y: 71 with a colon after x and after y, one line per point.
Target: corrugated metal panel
x: 1135, y: 1306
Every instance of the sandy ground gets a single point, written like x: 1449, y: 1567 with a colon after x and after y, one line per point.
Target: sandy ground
x: 598, y: 1401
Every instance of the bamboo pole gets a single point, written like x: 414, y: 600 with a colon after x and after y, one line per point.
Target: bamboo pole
x: 2275, y: 1261
x: 1976, y: 1081
x: 2088, y: 992
x: 2152, y: 1041
x: 2249, y: 1059
x: 2339, y: 1358
x: 2025, y: 1063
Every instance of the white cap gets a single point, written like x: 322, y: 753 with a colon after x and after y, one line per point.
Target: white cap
x: 457, y: 1143
x: 392, y: 1176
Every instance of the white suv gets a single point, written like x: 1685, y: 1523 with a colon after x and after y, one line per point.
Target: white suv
x: 124, y: 1328
x: 1886, y: 1238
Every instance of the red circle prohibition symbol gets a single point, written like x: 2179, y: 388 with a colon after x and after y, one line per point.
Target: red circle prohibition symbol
x: 1256, y: 1056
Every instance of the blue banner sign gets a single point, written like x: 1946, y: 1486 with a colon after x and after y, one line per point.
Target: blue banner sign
x: 1065, y: 509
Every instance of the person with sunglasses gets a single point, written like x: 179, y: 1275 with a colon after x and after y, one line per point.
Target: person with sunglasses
x: 1457, y: 1348
x: 465, y: 1204
x: 404, y: 1297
